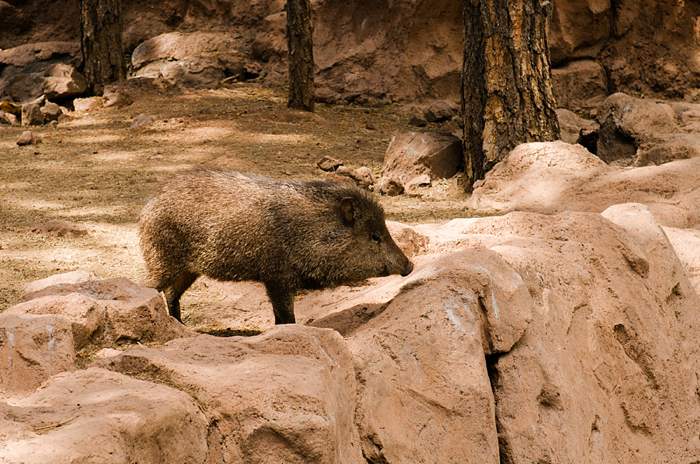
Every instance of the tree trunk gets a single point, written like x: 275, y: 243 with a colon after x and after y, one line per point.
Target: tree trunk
x: 300, y: 55
x: 507, y: 94
x: 101, y: 42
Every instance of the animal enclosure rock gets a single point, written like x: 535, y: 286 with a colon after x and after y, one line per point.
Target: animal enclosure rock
x: 28, y: 138
x: 104, y: 312
x: 31, y: 70
x: 32, y: 349
x: 412, y: 154
x: 555, y: 176
x: 88, y: 104
x: 199, y: 59
x: 95, y: 415
x: 31, y: 112
x: 642, y: 132
x: 285, y: 396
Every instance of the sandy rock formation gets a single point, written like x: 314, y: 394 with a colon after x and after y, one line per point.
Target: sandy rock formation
x: 199, y: 59
x: 519, y: 338
x: 416, y: 158
x: 645, y: 47
x: 642, y: 132
x: 95, y: 415
x: 285, y: 396
x: 553, y: 177
x: 61, y: 323
x: 46, y: 68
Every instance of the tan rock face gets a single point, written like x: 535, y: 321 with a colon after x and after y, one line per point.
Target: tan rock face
x: 32, y: 349
x: 573, y: 127
x: 642, y: 132
x: 198, y: 58
x: 419, y: 155
x: 62, y: 323
x: 99, y: 416
x: 552, y: 177
x: 285, y: 396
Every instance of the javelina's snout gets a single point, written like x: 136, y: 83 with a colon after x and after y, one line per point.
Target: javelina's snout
x: 408, y: 268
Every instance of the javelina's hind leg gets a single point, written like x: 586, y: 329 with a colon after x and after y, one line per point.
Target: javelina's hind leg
x: 174, y: 291
x: 282, y: 300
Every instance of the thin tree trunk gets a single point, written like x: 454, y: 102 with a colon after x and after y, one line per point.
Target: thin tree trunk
x: 300, y: 55
x: 507, y: 96
x: 101, y: 42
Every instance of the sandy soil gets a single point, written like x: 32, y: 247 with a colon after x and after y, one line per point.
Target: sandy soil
x: 72, y: 201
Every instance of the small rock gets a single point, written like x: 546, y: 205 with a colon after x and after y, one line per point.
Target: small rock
x: 88, y: 104
x: 51, y: 111
x: 28, y: 138
x: 412, y: 154
x: 60, y: 229
x: 8, y: 118
x: 328, y: 164
x: 370, y: 126
x: 362, y: 176
x: 31, y: 112
x: 114, y: 96
x: 142, y: 120
x: 63, y: 80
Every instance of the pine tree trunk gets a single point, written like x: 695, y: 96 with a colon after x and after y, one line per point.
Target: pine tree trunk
x: 507, y: 96
x: 101, y: 42
x: 300, y: 55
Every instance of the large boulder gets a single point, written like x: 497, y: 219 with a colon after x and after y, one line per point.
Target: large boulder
x: 555, y: 176
x: 285, y: 396
x: 418, y: 155
x: 61, y: 323
x: 199, y: 59
x: 105, y: 312
x: 424, y: 389
x: 95, y: 415
x: 46, y: 68
x: 641, y: 132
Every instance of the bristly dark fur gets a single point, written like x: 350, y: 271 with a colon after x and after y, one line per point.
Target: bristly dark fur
x: 289, y: 235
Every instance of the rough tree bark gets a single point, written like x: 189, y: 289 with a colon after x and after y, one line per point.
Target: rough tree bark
x: 300, y: 55
x: 507, y: 96
x: 101, y: 42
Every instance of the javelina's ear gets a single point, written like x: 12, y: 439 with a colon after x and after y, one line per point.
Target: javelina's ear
x: 347, y: 211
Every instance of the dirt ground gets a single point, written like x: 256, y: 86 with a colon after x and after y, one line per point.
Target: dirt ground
x: 72, y: 201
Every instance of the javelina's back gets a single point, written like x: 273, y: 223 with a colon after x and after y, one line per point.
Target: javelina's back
x: 287, y: 235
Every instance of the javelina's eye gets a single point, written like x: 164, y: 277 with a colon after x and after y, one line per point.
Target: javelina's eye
x: 376, y: 237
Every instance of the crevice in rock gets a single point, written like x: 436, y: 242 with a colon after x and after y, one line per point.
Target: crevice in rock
x: 635, y: 351
x: 373, y: 454
x: 504, y: 450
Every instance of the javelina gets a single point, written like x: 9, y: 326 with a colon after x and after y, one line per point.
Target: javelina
x: 287, y: 235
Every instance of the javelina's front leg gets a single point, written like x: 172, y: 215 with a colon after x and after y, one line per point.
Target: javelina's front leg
x: 282, y: 299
